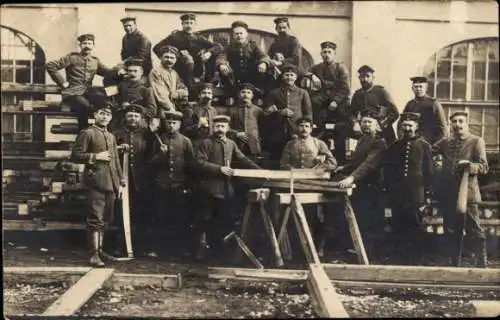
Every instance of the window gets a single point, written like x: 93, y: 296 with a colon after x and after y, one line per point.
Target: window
x: 262, y: 38
x: 22, y: 61
x: 465, y: 76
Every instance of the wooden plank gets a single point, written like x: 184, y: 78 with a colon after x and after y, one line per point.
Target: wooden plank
x: 486, y: 308
x: 406, y: 285
x: 79, y: 293
x: 271, y: 234
x: 270, y: 275
x: 251, y: 274
x: 29, y: 225
x: 323, y: 295
x: 134, y: 279
x: 304, y: 232
x: 448, y: 275
x: 46, y: 270
x: 354, y: 231
x: 281, y: 174
x: 307, y: 198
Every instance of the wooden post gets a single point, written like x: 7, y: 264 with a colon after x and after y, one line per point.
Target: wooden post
x: 244, y: 230
x: 304, y: 232
x: 268, y: 226
x: 354, y: 231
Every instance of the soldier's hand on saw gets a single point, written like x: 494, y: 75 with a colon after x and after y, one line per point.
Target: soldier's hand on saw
x: 103, y: 156
x: 65, y: 84
x: 262, y: 67
x: 347, y: 182
x: 224, y: 69
x: 227, y: 171
x: 242, y: 136
x: 123, y: 147
x: 205, y: 56
x: 287, y: 113
x: 164, y: 148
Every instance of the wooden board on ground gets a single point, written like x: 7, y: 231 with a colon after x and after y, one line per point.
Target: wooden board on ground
x: 30, y: 225
x: 383, y: 273
x: 413, y: 285
x: 486, y: 308
x: 252, y: 274
x: 281, y: 174
x: 323, y: 295
x: 161, y: 280
x: 45, y: 270
x: 79, y: 293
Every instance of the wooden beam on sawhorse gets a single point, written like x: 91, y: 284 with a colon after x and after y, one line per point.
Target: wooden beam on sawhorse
x: 258, y: 198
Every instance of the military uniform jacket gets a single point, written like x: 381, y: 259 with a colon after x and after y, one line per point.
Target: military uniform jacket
x: 98, y: 175
x: 277, y: 127
x: 192, y: 118
x: 246, y: 118
x: 290, y: 47
x: 139, y: 139
x: 408, y: 168
x: 300, y: 153
x: 193, y: 43
x: 212, y: 154
x: 334, y: 82
x: 135, y: 92
x: 165, y: 84
x: 432, y: 124
x: 137, y: 45
x: 374, y: 98
x: 173, y: 167
x: 469, y: 147
x: 80, y: 72
x: 366, y: 158
x: 243, y: 58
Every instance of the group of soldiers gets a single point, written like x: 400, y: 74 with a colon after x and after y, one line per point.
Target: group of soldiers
x: 181, y: 166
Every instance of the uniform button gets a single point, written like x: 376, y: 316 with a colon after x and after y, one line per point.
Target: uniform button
x: 406, y: 175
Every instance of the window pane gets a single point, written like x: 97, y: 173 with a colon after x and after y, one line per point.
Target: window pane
x: 478, y: 70
x: 475, y: 115
x: 491, y: 115
x: 443, y: 69
x: 491, y: 136
x: 444, y: 53
x: 475, y: 129
x: 493, y: 91
x: 23, y: 75
x: 7, y: 123
x: 7, y: 74
x: 458, y: 90
x: 23, y: 123
x: 459, y: 69
x: 460, y: 51
x: 443, y: 90
x: 477, y: 92
x: 429, y: 71
x: 479, y: 50
x: 493, y: 52
x: 493, y: 71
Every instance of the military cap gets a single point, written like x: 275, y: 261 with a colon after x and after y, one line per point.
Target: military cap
x: 365, y: 69
x: 459, y: 113
x: 303, y: 119
x: 188, y: 16
x: 134, y: 62
x: 370, y: 113
x: 107, y: 105
x: 247, y: 85
x: 221, y: 118
x: 136, y: 108
x: 167, y: 48
x: 410, y: 116
x: 280, y: 20
x: 87, y: 36
x: 128, y: 18
x: 207, y: 85
x: 328, y: 44
x: 239, y: 24
x: 172, y: 115
x: 288, y: 68
x: 418, y: 79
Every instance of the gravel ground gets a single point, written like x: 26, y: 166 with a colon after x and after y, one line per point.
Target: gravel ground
x: 30, y: 298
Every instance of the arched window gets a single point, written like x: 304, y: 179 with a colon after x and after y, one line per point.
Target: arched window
x: 465, y: 76
x: 262, y: 38
x: 22, y: 62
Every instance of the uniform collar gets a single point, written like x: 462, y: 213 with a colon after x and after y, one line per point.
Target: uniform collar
x: 129, y: 129
x: 100, y: 128
x: 461, y: 138
x: 286, y: 87
x: 222, y: 139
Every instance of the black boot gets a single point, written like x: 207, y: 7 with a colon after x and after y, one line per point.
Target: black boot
x: 95, y: 259
x: 480, y: 252
x: 202, y: 247
x: 103, y: 254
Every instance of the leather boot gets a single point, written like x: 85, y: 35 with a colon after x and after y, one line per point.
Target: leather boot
x: 480, y: 252
x: 202, y: 248
x: 103, y: 254
x: 95, y: 259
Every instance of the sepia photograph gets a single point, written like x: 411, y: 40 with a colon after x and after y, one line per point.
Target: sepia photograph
x: 250, y: 159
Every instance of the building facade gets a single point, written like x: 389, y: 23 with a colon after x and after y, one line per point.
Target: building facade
x: 454, y: 43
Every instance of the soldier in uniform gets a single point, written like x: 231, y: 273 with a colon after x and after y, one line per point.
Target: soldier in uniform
x: 214, y: 156
x: 96, y: 148
x: 198, y: 54
x: 462, y: 151
x: 244, y: 124
x: 136, y: 45
x: 242, y: 61
x: 363, y: 171
x: 284, y: 105
x: 330, y: 102
x: 173, y: 160
x: 167, y: 86
x: 374, y: 96
x: 136, y: 140
x: 408, y: 173
x: 285, y: 49
x: 197, y: 121
x: 309, y: 152
x: 432, y: 125
x: 80, y: 67
x: 133, y: 91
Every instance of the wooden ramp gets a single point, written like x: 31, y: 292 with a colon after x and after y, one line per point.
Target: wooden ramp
x: 79, y: 293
